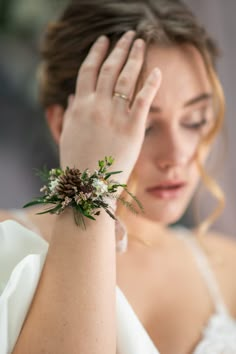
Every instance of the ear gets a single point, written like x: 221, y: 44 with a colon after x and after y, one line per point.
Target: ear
x: 54, y: 116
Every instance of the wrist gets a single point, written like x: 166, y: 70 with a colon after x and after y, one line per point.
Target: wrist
x: 87, y: 195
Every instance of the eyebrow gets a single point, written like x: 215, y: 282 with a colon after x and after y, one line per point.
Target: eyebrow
x: 202, y: 97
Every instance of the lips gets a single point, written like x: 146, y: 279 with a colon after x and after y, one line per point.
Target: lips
x: 167, y: 189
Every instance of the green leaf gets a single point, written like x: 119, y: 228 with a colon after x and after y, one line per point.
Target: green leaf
x: 101, y: 164
x: 79, y: 219
x: 89, y: 216
x: 50, y: 210
x: 135, y: 199
x: 85, y: 174
x: 108, y: 174
x: 109, y: 160
x: 128, y: 205
x: 34, y: 202
x: 83, y: 212
x: 110, y: 214
x: 43, y: 174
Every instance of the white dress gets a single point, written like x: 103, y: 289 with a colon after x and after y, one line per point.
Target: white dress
x: 22, y: 256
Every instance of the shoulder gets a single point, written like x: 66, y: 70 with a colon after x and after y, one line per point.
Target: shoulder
x: 5, y: 215
x: 221, y: 252
x: 222, y: 245
x: 42, y: 226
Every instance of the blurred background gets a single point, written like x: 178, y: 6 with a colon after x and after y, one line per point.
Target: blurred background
x: 25, y: 143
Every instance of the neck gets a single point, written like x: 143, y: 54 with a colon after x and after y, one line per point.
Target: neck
x: 140, y: 228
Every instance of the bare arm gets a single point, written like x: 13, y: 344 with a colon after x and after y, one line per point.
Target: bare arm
x: 74, y: 307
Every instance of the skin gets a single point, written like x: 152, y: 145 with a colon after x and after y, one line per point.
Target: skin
x: 180, y: 114
x: 167, y: 150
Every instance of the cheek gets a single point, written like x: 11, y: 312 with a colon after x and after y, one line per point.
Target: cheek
x: 144, y: 158
x: 189, y: 141
x: 182, y: 149
x: 194, y: 175
x: 204, y: 154
x: 179, y: 150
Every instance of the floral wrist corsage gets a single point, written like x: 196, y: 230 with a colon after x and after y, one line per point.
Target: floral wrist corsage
x: 86, y: 192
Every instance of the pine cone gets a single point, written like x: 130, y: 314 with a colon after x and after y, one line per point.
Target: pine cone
x: 70, y: 184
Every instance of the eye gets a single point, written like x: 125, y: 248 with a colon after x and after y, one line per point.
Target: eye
x: 196, y: 125
x: 198, y: 119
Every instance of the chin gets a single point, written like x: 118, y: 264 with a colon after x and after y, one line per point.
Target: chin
x: 165, y: 213
x: 164, y: 218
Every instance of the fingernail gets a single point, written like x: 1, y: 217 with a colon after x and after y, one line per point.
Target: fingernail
x: 130, y: 34
x: 139, y: 43
x: 101, y: 39
x: 70, y: 99
x: 156, y: 73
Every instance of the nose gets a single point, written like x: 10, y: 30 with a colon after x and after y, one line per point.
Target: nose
x: 173, y: 150
x: 166, y: 164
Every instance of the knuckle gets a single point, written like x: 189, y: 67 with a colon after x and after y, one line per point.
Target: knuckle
x: 75, y: 111
x: 152, y: 84
x: 107, y: 68
x: 141, y: 101
x: 121, y: 46
x: 123, y: 81
x: 133, y: 62
x: 99, y: 117
x: 87, y: 68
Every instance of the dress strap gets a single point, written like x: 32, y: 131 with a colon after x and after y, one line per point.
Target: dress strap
x: 22, y: 216
x: 205, y: 269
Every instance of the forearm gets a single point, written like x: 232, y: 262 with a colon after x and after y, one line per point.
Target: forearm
x: 74, y: 307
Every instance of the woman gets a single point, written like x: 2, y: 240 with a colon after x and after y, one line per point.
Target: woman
x: 146, y: 94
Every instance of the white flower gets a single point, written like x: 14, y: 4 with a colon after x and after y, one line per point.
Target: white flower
x: 53, y: 184
x: 100, y: 186
x: 82, y: 197
x: 43, y: 189
x: 66, y: 202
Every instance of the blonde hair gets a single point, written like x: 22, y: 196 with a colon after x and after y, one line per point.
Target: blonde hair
x: 209, y: 182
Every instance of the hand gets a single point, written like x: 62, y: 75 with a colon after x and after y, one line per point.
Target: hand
x: 97, y: 123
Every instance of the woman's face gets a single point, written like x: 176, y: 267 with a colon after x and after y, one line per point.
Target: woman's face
x: 181, y: 113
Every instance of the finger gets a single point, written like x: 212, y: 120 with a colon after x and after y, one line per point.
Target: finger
x: 70, y: 100
x: 143, y: 100
x: 88, y: 72
x: 113, y: 65
x: 127, y: 80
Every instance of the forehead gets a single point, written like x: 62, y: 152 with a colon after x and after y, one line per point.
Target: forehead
x: 184, y: 74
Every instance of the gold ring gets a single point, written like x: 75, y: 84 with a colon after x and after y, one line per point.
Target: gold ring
x: 121, y: 95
